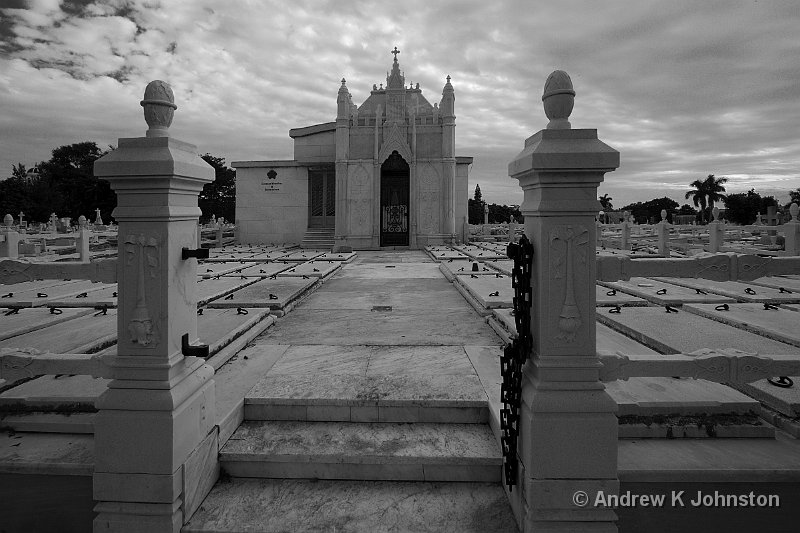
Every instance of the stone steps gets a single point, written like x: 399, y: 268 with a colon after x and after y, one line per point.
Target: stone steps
x: 376, y: 506
x: 318, y: 238
x: 363, y: 451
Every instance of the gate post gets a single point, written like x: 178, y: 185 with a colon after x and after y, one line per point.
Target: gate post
x: 567, y: 446
x: 155, y: 438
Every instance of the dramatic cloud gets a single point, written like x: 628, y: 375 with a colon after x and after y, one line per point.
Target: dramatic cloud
x: 682, y: 89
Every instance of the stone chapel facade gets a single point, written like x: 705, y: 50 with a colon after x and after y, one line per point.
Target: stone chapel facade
x: 383, y: 175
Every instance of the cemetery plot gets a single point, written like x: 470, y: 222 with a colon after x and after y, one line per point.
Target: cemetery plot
x: 86, y: 333
x: 476, y: 252
x: 33, y: 319
x: 413, y: 270
x: 684, y: 332
x: 386, y: 294
x: 271, y: 255
x: 344, y: 257
x: 745, y: 292
x: 785, y: 400
x: 497, y: 247
x: 772, y: 322
x: 490, y: 291
x: 212, y: 289
x: 37, y: 285
x: 452, y: 268
x: 271, y: 293
x: 105, y: 297
x: 779, y: 282
x: 312, y: 269
x: 610, y: 297
x: 302, y: 256
x: 444, y: 253
x: 665, y: 293
x: 503, y: 266
x: 262, y: 270
x: 43, y: 296
x: 210, y: 270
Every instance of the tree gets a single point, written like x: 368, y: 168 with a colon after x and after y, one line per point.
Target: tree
x: 650, y: 211
x: 605, y: 203
x: 794, y: 198
x: 743, y: 208
x: 478, y: 195
x: 219, y: 197
x: 706, y: 193
x: 64, y: 185
x: 686, y: 209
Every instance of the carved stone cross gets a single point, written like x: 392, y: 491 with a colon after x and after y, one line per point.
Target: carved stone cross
x: 395, y: 52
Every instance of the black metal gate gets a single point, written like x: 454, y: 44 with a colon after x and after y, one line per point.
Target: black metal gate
x: 395, y: 174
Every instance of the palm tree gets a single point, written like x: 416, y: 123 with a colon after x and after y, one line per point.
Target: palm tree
x: 706, y: 193
x: 714, y: 188
x: 699, y: 198
x: 605, y: 203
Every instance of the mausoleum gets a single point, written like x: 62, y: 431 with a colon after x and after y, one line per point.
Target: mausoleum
x: 383, y: 175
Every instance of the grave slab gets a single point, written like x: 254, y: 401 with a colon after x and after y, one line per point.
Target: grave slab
x: 302, y: 256
x: 263, y: 270
x: 105, y: 297
x: 503, y: 266
x: 684, y: 332
x: 272, y: 293
x: 43, y: 297
x: 443, y: 254
x: 665, y: 293
x: 344, y: 257
x: 784, y: 400
x: 779, y: 282
x: 480, y: 253
x: 743, y: 292
x: 606, y: 296
x: 393, y: 257
x: 210, y: 270
x: 33, y: 319
x: 271, y: 255
x: 311, y: 269
x: 774, y: 323
x: 490, y: 291
x: 34, y: 285
x: 670, y: 396
x: 451, y: 268
x: 212, y: 289
x: 84, y: 334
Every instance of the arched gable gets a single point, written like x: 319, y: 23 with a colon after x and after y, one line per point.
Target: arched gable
x: 394, y: 141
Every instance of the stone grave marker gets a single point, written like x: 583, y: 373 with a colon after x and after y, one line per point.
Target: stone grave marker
x: 214, y: 288
x: 262, y: 270
x: 662, y: 292
x: 312, y: 269
x: 271, y: 293
x: 742, y: 291
x: 33, y: 319
x: 84, y: 334
x: 40, y: 297
x: 768, y: 320
x: 211, y: 270
x: 104, y: 297
x: 490, y: 291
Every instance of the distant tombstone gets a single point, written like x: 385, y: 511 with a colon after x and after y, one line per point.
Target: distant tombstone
x: 98, y: 221
x: 9, y: 247
x: 53, y: 225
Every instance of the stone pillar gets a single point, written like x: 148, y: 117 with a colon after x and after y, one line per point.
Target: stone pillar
x: 792, y: 231
x: 568, y: 428
x: 512, y: 230
x: 716, y: 232
x: 626, y: 231
x: 53, y: 224
x: 9, y: 245
x: 485, y: 214
x: 449, y: 160
x: 82, y: 241
x: 218, y: 235
x: 155, y: 438
x: 343, y: 106
x: 663, y: 235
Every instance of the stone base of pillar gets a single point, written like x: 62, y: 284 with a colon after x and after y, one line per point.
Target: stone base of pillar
x: 569, y: 457
x: 144, y: 438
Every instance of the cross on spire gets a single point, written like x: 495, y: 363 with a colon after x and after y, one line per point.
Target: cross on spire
x: 395, y: 52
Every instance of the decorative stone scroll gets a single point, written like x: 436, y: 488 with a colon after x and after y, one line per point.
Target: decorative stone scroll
x: 567, y: 245
x: 722, y: 366
x: 141, y: 327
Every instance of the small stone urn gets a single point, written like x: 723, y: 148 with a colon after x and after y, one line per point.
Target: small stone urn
x: 159, y: 107
x: 558, y: 100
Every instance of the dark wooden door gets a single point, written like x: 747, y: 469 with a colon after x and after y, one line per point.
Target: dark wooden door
x: 322, y: 198
x: 394, y: 201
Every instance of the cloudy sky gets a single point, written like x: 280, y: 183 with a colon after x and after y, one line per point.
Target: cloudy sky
x: 682, y: 89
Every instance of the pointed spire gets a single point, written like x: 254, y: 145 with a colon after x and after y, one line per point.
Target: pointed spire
x: 395, y: 80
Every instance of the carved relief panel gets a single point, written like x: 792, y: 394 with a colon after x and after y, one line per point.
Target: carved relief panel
x: 359, y: 200
x: 568, y: 249
x: 429, y: 187
x: 142, y: 262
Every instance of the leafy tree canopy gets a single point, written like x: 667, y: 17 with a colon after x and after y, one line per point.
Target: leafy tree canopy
x: 218, y: 198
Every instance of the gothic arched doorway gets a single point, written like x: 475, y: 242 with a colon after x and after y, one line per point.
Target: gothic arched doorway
x: 395, y: 210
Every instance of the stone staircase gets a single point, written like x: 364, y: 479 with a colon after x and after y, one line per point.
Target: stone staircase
x: 318, y: 238
x: 358, y: 464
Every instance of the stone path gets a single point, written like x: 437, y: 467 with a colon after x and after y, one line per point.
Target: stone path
x: 372, y: 374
